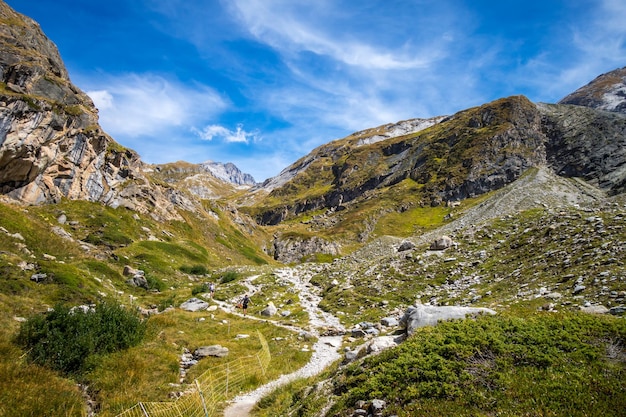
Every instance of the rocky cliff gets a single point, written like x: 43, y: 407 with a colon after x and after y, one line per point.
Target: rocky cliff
x: 51, y: 145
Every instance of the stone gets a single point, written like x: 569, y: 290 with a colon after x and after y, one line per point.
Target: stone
x: 617, y: 311
x: 381, y: 343
x: 213, y: 350
x: 441, y: 243
x: 377, y: 407
x: 406, y: 245
x: 270, y: 310
x: 594, y: 309
x: 389, y: 321
x: 138, y: 281
x: 194, y: 304
x: 426, y: 315
x: 38, y: 277
x: 129, y: 271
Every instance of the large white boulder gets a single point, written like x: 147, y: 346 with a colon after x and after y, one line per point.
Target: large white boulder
x: 425, y: 315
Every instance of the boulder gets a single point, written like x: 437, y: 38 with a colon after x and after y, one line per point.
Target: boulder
x: 594, y: 309
x: 381, y: 343
x: 213, y: 350
x: 426, y: 315
x: 406, y: 245
x: 441, y: 243
x: 194, y: 304
x: 389, y: 322
x: 138, y: 281
x: 270, y: 310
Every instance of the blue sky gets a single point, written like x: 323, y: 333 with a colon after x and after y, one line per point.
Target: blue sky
x: 261, y: 83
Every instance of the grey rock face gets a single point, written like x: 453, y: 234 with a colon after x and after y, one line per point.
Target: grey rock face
x: 425, y: 315
x: 51, y: 145
x: 586, y: 143
x: 294, y: 249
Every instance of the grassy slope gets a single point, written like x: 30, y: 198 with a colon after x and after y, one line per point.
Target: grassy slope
x: 79, y: 273
x: 516, y: 264
x: 517, y: 258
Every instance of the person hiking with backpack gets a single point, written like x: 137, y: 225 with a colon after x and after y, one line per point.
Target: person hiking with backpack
x: 244, y: 304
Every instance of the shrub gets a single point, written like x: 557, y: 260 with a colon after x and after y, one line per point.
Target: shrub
x: 199, y: 289
x: 65, y: 339
x: 194, y: 270
x: 554, y: 365
x: 155, y: 283
x: 229, y: 276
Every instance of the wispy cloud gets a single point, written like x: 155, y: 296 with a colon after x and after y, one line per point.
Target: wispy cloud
x: 146, y: 104
x: 325, y: 28
x: 230, y: 136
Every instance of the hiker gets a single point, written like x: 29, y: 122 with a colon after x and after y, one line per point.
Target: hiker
x: 244, y: 304
x: 211, y: 290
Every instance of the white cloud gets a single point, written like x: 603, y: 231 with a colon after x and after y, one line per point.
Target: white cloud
x: 230, y: 136
x: 102, y: 99
x: 146, y: 104
x: 319, y: 28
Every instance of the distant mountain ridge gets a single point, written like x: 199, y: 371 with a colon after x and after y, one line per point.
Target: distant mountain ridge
x: 52, y: 147
x: 228, y: 172
x: 465, y: 155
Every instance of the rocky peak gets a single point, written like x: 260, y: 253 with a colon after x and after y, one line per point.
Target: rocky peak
x: 606, y: 92
x: 51, y: 145
x: 228, y: 172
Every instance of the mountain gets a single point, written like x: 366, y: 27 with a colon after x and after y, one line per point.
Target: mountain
x: 529, y: 199
x: 228, y: 172
x: 462, y: 156
x: 51, y: 145
x: 606, y: 92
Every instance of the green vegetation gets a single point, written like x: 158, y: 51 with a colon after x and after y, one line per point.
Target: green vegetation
x: 546, y: 364
x: 194, y: 269
x: 66, y: 339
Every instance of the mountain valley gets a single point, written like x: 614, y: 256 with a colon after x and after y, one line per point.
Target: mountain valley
x: 513, y: 207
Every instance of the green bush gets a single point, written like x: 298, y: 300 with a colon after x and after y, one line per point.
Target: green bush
x: 65, y: 339
x: 199, y: 289
x: 194, y: 270
x: 229, y: 276
x: 155, y: 283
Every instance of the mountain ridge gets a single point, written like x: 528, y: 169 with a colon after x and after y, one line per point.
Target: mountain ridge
x: 527, y: 198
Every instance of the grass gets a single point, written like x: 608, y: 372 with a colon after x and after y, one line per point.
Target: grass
x: 545, y: 364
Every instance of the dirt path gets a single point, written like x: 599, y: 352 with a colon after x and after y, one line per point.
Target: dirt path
x: 325, y: 350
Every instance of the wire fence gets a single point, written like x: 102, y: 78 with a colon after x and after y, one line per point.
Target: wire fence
x: 210, y: 390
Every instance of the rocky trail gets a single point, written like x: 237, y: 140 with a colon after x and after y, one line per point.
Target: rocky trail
x: 325, y: 350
